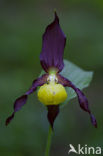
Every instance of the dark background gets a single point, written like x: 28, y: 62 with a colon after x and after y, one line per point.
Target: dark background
x: 22, y: 24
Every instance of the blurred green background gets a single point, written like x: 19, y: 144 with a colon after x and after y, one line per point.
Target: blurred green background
x: 22, y: 24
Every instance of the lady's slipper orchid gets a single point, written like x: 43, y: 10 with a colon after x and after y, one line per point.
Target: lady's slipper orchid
x: 52, y: 91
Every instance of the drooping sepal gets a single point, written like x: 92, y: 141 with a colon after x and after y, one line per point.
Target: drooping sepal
x: 83, y: 101
x: 21, y: 101
x: 53, y: 44
x: 53, y: 111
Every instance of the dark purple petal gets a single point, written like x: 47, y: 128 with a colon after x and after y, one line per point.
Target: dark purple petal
x: 8, y: 120
x: 81, y: 97
x: 93, y: 120
x: 38, y: 82
x: 23, y: 99
x: 53, y: 46
x: 53, y: 111
x: 17, y: 106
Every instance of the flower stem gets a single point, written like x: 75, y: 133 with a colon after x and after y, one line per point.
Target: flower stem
x: 48, y: 145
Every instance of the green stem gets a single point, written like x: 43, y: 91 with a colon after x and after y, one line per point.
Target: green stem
x: 48, y: 145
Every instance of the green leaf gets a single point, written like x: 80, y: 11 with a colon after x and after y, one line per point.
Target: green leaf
x: 78, y: 76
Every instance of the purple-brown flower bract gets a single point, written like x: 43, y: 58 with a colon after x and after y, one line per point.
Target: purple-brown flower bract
x: 51, y: 57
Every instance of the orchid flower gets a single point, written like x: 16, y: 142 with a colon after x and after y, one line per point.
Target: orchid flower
x: 52, y: 85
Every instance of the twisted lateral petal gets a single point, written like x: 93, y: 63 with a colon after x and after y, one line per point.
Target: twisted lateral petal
x: 81, y: 97
x: 53, y: 46
x: 53, y: 111
x: 23, y: 99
